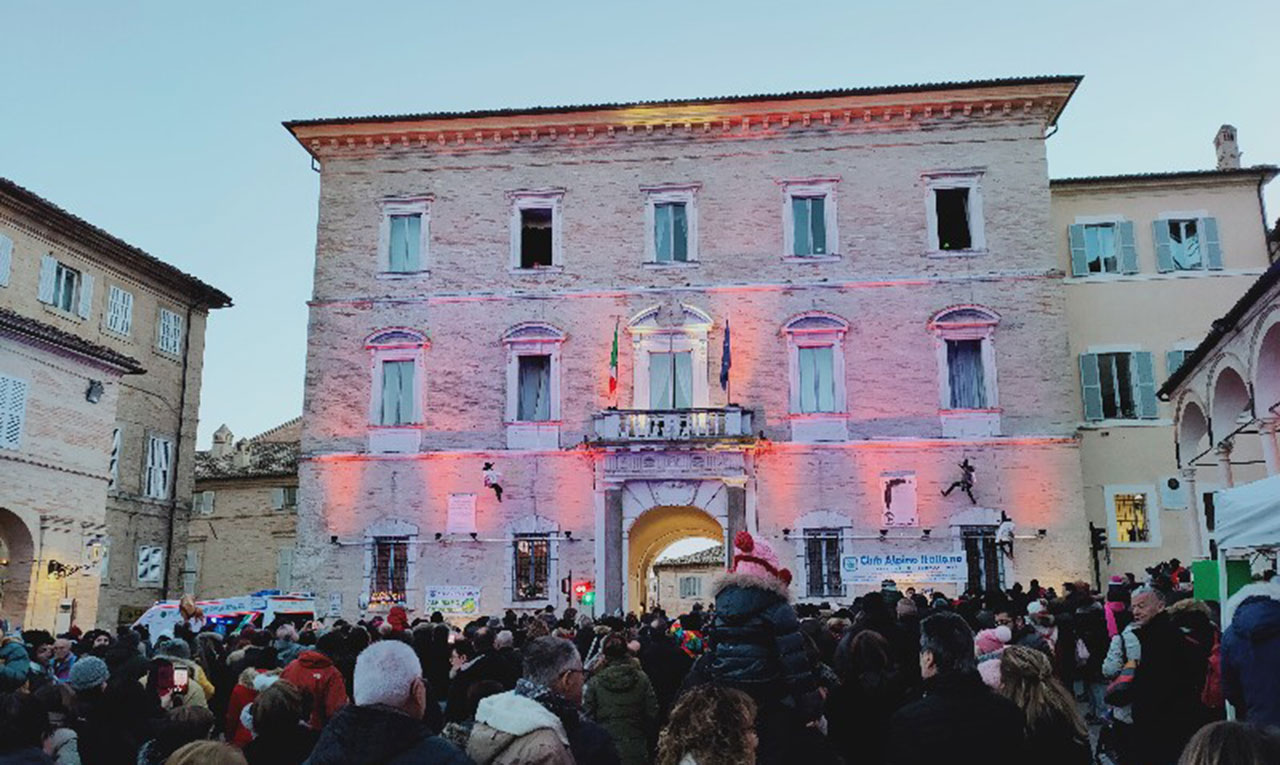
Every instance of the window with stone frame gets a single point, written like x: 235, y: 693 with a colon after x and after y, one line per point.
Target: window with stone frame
x: 1118, y: 385
x: 1132, y: 519
x: 690, y: 586
x: 822, y: 563
x: 809, y: 218
x: 403, y: 236
x: 672, y: 217
x: 388, y: 582
x: 536, y: 229
x: 954, y: 212
x: 531, y: 555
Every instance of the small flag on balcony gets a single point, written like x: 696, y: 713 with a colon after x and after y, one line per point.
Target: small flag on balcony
x: 726, y: 360
x: 613, y: 361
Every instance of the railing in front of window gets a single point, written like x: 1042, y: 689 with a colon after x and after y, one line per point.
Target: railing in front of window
x: 702, y: 424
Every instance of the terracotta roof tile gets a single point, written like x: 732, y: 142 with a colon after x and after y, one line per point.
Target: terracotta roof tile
x: 38, y: 330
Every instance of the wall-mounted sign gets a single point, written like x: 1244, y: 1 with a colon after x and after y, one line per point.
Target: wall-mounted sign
x: 898, y: 499
x: 903, y: 567
x: 453, y: 600
x: 335, y: 604
x: 461, y: 514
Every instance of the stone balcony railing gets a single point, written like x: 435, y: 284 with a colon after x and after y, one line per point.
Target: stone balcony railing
x: 623, y: 426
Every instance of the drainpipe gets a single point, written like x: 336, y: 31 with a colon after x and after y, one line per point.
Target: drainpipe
x: 177, y: 456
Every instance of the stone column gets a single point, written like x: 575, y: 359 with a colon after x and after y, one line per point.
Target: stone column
x: 1223, y: 453
x: 737, y: 512
x: 613, y: 585
x: 1270, y: 447
x: 1196, y: 535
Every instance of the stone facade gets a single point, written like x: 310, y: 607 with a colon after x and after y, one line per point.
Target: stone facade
x: 681, y: 583
x: 37, y: 235
x: 609, y: 489
x: 1163, y: 312
x: 244, y: 519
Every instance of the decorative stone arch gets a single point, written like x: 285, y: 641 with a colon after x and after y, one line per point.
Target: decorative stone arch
x: 531, y: 524
x: 21, y: 558
x: 1229, y: 396
x: 816, y: 519
x: 1264, y: 365
x: 964, y: 316
x: 396, y: 337
x: 675, y: 328
x: 655, y: 530
x: 396, y: 528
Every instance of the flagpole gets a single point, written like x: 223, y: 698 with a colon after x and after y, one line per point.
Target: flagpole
x: 728, y: 378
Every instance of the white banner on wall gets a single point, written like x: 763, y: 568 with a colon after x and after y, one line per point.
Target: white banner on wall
x: 461, y: 514
x: 904, y: 567
x: 455, y: 600
x: 898, y: 499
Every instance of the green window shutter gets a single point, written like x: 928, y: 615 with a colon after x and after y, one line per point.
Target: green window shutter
x: 48, y: 272
x: 662, y: 233
x: 1091, y: 386
x: 1212, y: 244
x: 1079, y: 258
x: 413, y: 242
x: 800, y: 226
x: 1164, y: 245
x: 1144, y: 385
x: 818, y: 225
x: 679, y: 233
x: 1128, y: 247
x: 1173, y: 360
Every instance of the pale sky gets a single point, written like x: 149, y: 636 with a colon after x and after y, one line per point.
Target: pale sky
x: 160, y: 121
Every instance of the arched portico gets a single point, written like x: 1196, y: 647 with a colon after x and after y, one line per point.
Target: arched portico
x: 17, y: 567
x: 655, y: 531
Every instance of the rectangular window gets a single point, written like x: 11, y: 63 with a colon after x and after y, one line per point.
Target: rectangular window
x: 119, y: 310
x: 66, y: 288
x: 202, y: 503
x: 1132, y: 521
x: 965, y: 374
x: 150, y: 564
x: 397, y: 392
x: 809, y: 221
x: 1184, y: 237
x: 1117, y: 386
x: 690, y: 586
x: 822, y: 563
x: 536, y: 237
x: 532, y: 558
x: 284, y: 569
x: 405, y: 244
x: 671, y: 380
x: 159, y: 461
x: 817, y: 379
x: 986, y: 564
x: 670, y: 232
x: 952, y: 208
x: 169, y: 332
x: 284, y: 498
x: 390, y: 570
x: 113, y: 466
x: 1100, y: 248
x: 534, y: 375
x: 13, y: 411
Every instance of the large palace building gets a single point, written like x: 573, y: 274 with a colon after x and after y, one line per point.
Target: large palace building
x: 547, y: 343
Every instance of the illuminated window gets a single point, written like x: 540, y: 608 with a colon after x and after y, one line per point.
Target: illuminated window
x: 1132, y: 520
x: 531, y: 555
x: 822, y: 563
x: 390, y: 569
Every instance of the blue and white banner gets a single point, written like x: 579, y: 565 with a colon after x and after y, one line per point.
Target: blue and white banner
x: 904, y: 567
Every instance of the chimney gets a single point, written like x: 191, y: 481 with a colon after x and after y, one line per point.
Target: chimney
x: 1228, y: 150
x: 222, y: 440
x: 241, y: 456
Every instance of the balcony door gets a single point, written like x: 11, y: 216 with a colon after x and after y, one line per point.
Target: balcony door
x: 671, y: 380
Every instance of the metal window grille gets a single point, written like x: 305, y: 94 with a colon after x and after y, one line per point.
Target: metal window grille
x: 532, y: 556
x: 822, y: 563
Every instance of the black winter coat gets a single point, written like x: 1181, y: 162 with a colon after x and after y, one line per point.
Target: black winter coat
x: 1166, y: 691
x: 757, y: 646
x: 291, y: 747
x: 958, y: 719
x: 378, y: 735
x: 858, y: 714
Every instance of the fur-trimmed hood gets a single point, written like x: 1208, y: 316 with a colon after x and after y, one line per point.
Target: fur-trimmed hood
x: 1264, y: 591
x: 743, y: 579
x: 518, y: 715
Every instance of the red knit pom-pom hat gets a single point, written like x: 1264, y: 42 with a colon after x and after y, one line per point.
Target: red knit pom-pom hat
x: 755, y: 556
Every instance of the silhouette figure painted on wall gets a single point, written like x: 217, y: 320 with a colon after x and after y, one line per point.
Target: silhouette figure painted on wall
x: 965, y: 482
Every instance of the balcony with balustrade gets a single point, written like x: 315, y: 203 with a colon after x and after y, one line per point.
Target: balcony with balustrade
x: 704, y: 426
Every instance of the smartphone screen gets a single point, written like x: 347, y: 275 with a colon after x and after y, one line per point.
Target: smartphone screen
x: 180, y: 678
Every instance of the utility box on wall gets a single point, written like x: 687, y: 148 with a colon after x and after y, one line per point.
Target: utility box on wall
x: 66, y: 616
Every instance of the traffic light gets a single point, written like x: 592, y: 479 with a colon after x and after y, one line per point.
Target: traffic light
x: 585, y: 593
x: 1098, y: 537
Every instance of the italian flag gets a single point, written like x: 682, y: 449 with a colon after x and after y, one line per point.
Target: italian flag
x: 613, y: 362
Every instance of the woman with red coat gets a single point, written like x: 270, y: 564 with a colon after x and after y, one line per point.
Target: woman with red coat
x: 315, y: 675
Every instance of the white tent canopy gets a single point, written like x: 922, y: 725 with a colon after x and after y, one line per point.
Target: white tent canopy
x: 1249, y: 515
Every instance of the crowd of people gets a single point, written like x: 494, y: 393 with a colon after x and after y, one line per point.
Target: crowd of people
x: 897, y: 676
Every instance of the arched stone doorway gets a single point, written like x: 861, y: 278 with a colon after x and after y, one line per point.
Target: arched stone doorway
x: 655, y: 531
x: 17, y: 559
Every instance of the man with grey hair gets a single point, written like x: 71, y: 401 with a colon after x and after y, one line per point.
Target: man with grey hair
x: 957, y: 713
x: 540, y: 722
x: 1167, y: 684
x: 384, y: 726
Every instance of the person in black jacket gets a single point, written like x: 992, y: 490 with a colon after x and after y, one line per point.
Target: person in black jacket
x: 385, y: 725
x: 280, y: 732
x: 957, y: 719
x: 485, y: 665
x: 1167, y: 684
x: 871, y: 689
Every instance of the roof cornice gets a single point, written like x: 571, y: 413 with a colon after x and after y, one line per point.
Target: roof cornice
x: 1039, y: 99
x: 1254, y: 174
